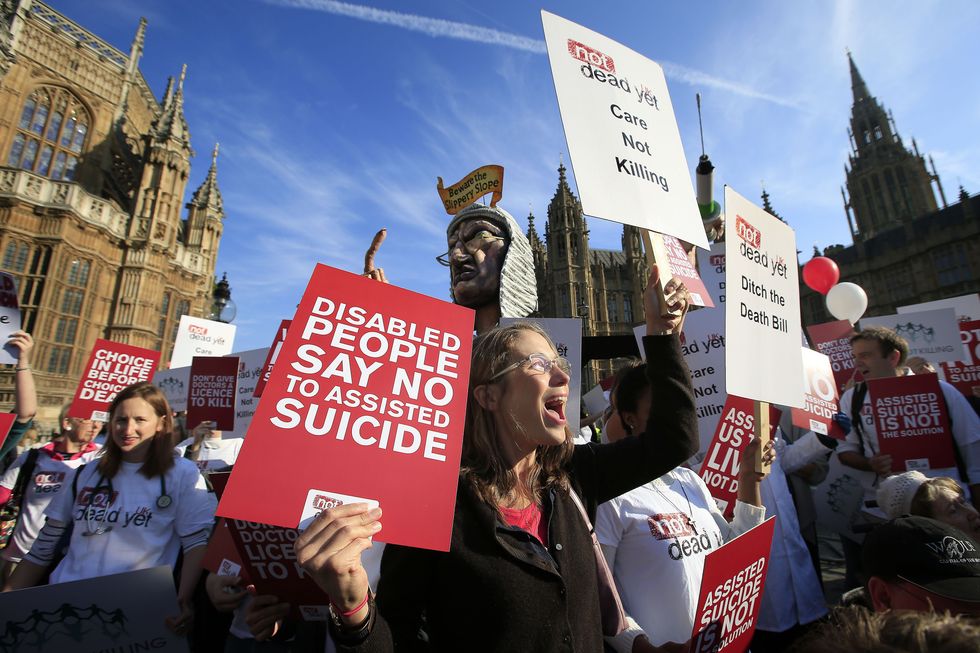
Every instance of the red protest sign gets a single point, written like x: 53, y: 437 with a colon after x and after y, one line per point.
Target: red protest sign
x: 722, y: 460
x: 222, y: 557
x: 965, y: 374
x: 211, y: 397
x: 911, y: 422
x: 731, y: 589
x: 111, y: 367
x: 6, y: 422
x: 834, y: 340
x: 970, y: 335
x: 819, y: 397
x: 366, y: 400
x: 270, y: 359
x: 682, y: 268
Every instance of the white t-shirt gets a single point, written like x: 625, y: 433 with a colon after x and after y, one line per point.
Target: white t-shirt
x: 214, y: 453
x: 657, y: 554
x: 52, y: 475
x: 142, y: 534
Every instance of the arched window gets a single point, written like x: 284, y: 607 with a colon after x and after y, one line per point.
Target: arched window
x: 50, y: 134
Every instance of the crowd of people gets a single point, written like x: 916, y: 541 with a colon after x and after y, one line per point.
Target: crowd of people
x: 555, y: 546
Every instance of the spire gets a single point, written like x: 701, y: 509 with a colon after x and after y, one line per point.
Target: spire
x: 136, y: 49
x: 171, y: 125
x: 207, y: 195
x: 532, y: 233
x: 964, y: 196
x: 858, y: 87
x: 768, y: 207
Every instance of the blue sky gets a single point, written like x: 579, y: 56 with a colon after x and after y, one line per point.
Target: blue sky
x: 336, y: 118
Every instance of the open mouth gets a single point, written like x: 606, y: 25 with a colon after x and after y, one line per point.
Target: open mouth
x: 555, y: 410
x: 464, y: 272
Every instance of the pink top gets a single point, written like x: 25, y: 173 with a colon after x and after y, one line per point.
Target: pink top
x: 528, y: 519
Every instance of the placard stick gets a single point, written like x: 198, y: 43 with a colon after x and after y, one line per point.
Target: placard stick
x: 653, y: 246
x: 761, y: 432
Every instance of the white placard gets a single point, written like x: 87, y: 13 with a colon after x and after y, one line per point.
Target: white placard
x: 596, y: 401
x: 934, y: 335
x: 622, y: 136
x: 199, y: 337
x: 175, y: 384
x: 249, y: 368
x: 762, y: 317
x: 967, y: 307
x: 9, y: 318
x: 566, y: 333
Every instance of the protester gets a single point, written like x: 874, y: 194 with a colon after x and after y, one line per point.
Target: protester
x: 133, y: 508
x: 209, y: 449
x: 521, y: 571
x: 25, y: 395
x: 656, y: 537
x: 881, y: 353
x: 917, y: 563
x: 47, y: 472
x: 942, y: 499
x: 856, y: 630
x: 491, y: 268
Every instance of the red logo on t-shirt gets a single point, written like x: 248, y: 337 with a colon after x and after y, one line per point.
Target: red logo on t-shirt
x: 670, y: 525
x: 96, y: 497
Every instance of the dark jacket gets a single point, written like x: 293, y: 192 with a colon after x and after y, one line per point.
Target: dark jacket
x: 498, y: 589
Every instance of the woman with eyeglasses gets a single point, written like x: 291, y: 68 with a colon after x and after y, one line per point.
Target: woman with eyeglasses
x: 134, y: 507
x: 521, y: 572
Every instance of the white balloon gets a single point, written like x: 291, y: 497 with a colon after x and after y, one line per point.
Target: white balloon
x: 847, y: 301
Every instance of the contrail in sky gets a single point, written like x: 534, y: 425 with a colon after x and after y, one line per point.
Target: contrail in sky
x: 438, y: 27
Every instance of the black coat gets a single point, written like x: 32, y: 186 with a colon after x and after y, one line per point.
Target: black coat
x: 498, y: 589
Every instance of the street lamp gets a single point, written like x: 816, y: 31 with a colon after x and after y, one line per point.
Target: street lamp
x: 223, y: 308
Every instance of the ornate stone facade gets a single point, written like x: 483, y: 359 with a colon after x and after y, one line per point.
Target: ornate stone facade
x: 906, y: 248
x: 93, y: 173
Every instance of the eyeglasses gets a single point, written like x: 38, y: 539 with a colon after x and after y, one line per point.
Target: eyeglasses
x: 474, y: 244
x: 539, y: 363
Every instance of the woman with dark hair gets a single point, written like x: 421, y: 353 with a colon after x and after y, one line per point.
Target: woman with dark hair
x: 134, y: 507
x: 658, y: 535
x: 521, y: 572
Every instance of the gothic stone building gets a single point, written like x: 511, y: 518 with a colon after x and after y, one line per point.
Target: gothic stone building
x: 92, y: 183
x: 603, y: 287
x: 906, y: 248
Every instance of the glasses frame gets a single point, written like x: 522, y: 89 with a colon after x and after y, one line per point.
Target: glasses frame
x: 444, y: 259
x: 543, y: 359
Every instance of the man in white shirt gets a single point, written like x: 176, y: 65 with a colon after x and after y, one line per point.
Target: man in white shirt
x: 881, y: 353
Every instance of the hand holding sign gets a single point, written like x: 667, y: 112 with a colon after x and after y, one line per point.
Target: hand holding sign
x: 371, y: 272
x: 330, y: 550
x: 22, y: 343
x: 664, y: 315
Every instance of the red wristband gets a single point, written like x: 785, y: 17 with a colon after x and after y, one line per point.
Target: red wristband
x: 351, y: 613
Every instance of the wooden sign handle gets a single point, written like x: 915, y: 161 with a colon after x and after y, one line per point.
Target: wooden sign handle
x: 653, y: 246
x: 761, y: 409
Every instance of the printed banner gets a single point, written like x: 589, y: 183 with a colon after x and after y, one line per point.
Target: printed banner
x: 967, y: 307
x: 622, y: 137
x: 212, y: 392
x: 121, y: 612
x: 762, y: 318
x: 199, y: 337
x: 820, y: 398
x: 965, y: 375
x: 723, y: 460
x: 488, y: 179
x: 9, y: 318
x: 731, y: 590
x: 673, y: 261
x: 363, y: 402
x: 175, y: 384
x: 833, y: 339
x: 933, y: 335
x: 270, y: 360
x: 911, y: 422
x: 566, y: 333
x: 111, y: 367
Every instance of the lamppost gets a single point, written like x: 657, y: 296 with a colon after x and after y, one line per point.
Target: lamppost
x: 223, y: 308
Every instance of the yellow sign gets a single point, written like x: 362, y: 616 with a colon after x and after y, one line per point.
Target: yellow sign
x: 488, y: 179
